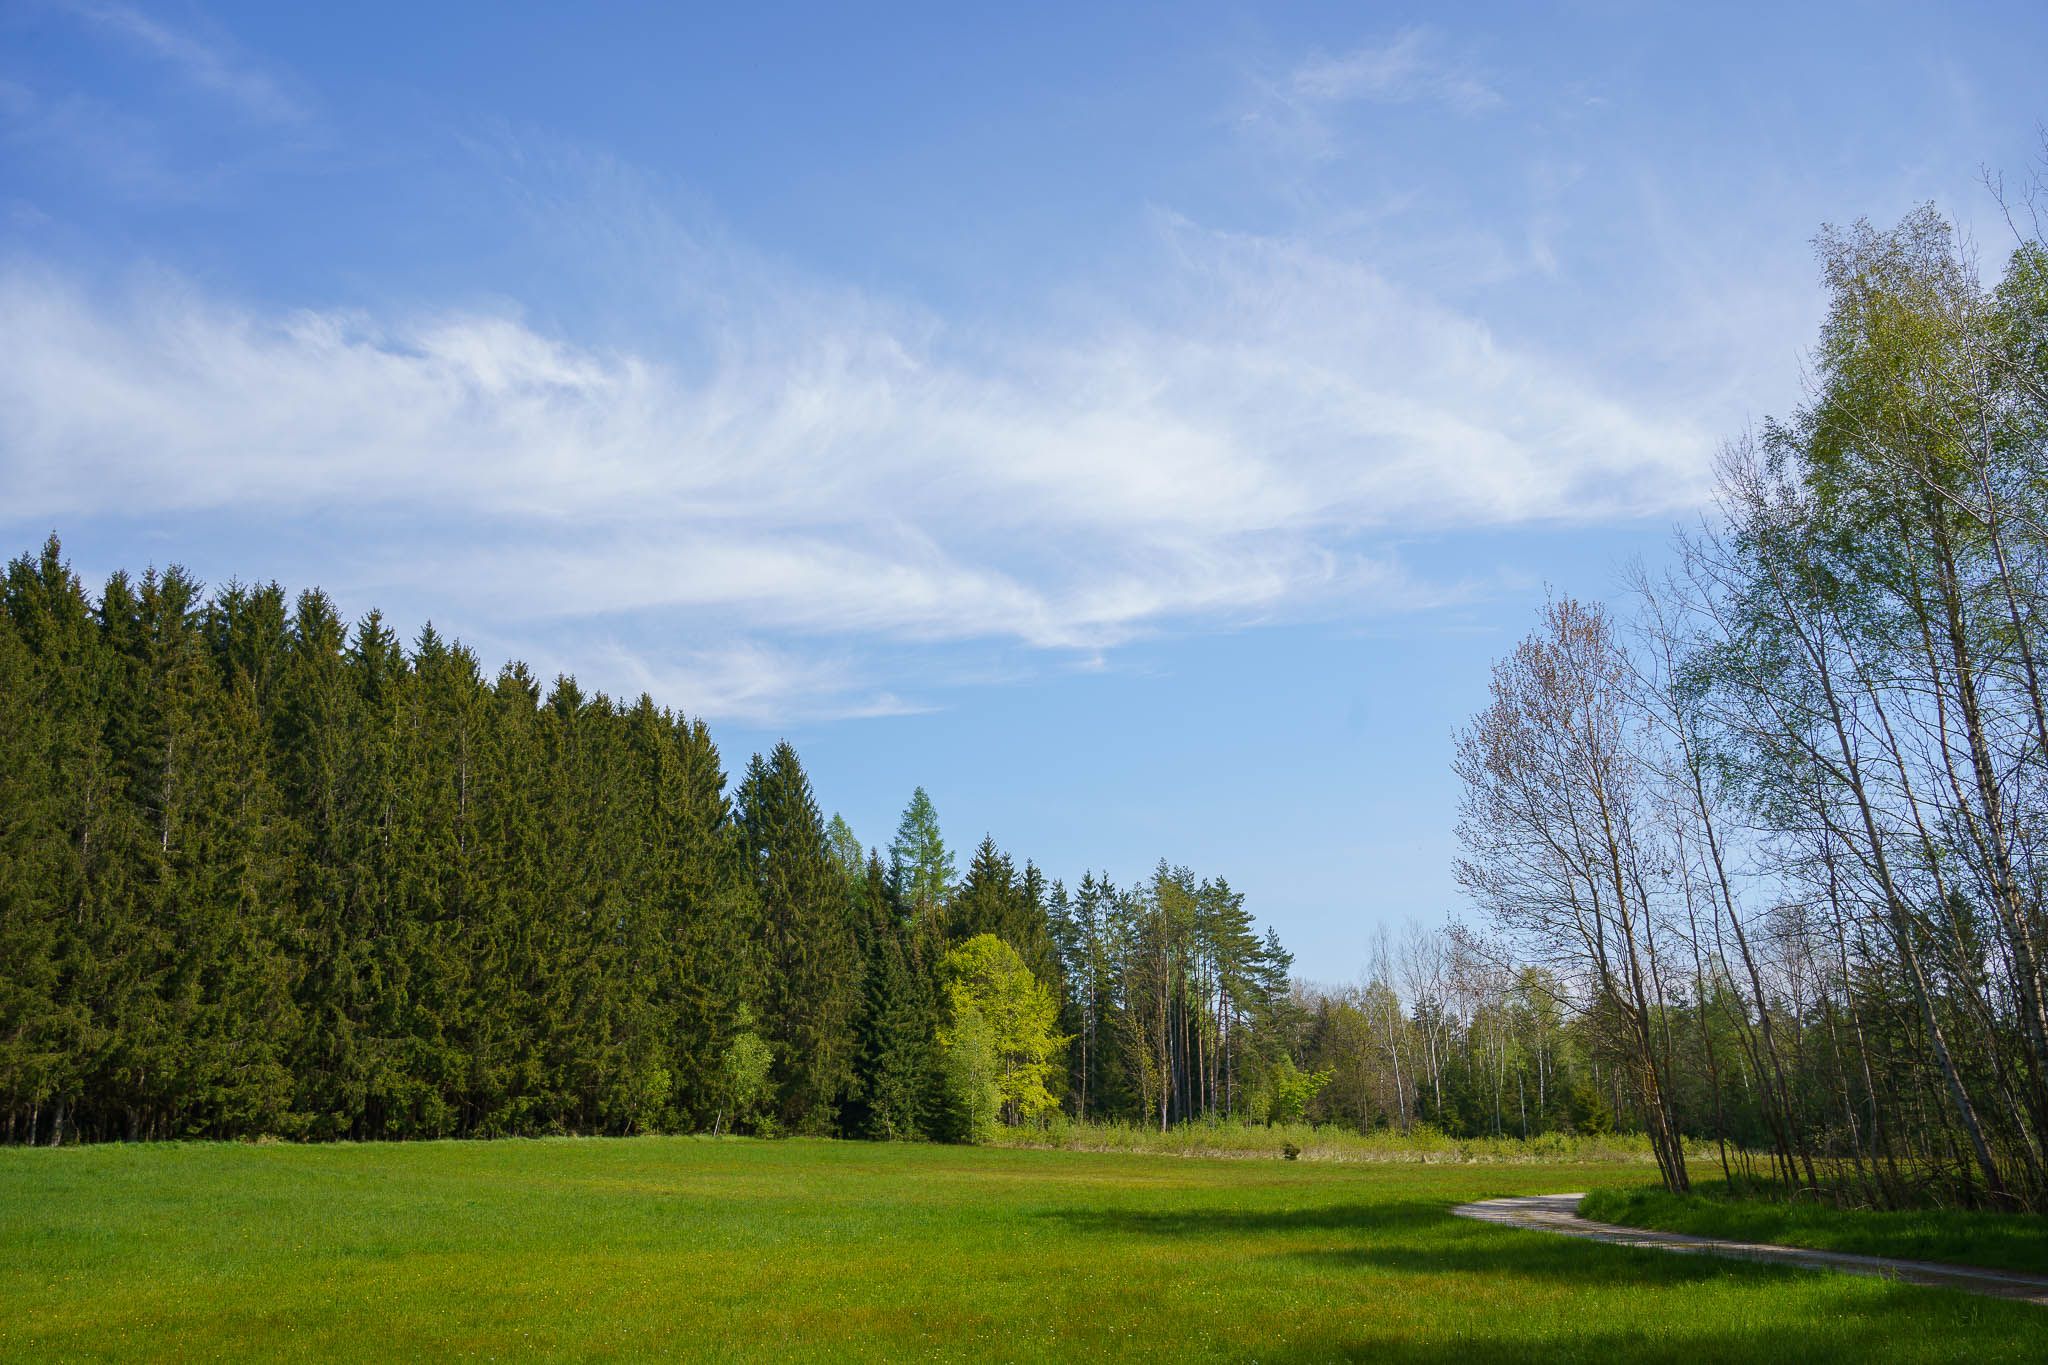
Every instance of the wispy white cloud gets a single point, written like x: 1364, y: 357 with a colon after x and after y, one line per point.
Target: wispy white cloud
x: 1407, y: 69
x: 755, y: 684
x: 1300, y: 109
x: 213, y: 67
x: 817, y: 465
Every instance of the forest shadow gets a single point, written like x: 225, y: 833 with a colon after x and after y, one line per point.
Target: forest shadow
x: 1422, y: 1238
x: 1382, y: 1217
x: 1416, y: 1236
x: 1889, y: 1330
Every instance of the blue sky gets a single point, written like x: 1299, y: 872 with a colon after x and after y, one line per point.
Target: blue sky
x: 1141, y: 425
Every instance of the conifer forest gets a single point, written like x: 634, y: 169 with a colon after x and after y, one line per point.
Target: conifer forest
x: 266, y: 871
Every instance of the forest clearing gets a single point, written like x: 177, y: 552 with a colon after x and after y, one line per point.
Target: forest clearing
x: 1471, y: 586
x: 801, y: 1249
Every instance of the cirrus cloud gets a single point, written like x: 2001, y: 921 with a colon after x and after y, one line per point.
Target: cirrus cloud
x: 818, y: 465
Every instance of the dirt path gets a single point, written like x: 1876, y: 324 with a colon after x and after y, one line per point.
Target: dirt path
x: 1560, y: 1213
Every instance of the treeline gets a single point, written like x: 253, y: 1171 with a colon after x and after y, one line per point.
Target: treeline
x: 1779, y: 833
x: 1175, y: 1003
x: 1451, y: 1031
x: 1443, y: 1032
x: 266, y: 872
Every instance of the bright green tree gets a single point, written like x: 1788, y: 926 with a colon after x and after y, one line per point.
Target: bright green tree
x: 972, y: 1070
x: 743, y: 1075
x: 999, y: 1036
x: 1292, y: 1089
x: 845, y: 847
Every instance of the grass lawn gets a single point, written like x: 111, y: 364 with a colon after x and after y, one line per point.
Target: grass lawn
x: 626, y: 1249
x: 2005, y: 1241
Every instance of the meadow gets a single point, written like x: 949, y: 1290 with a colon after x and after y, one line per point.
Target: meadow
x: 598, y: 1249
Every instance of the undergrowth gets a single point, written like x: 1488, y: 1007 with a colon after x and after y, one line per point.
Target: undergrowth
x: 1421, y: 1143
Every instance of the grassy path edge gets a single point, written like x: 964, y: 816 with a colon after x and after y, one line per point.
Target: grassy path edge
x: 1986, y: 1239
x: 1559, y: 1213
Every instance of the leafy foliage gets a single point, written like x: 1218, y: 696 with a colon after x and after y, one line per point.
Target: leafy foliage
x: 999, y: 1039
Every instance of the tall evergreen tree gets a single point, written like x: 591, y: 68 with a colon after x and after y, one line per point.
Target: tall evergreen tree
x: 897, y: 1063
x: 81, y: 910
x: 920, y: 862
x: 845, y: 848
x: 994, y: 899
x: 715, y: 921
x: 812, y: 982
x: 261, y: 872
x: 41, y: 1028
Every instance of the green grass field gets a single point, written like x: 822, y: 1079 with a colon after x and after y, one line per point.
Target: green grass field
x: 628, y: 1249
x: 2000, y: 1240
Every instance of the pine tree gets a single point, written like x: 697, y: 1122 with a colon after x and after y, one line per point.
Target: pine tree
x: 494, y: 794
x: 714, y: 919
x: 845, y: 848
x: 199, y: 1017
x: 813, y: 968
x: 262, y: 873
x: 994, y: 899
x: 31, y: 872
x: 81, y: 834
x: 339, y: 1053
x: 421, y: 751
x: 920, y: 862
x: 898, y: 1022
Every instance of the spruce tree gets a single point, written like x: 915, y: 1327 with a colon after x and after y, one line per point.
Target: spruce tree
x: 898, y: 1073
x: 83, y: 828
x: 264, y: 873
x: 920, y: 862
x: 845, y: 848
x: 497, y: 795
x: 31, y: 872
x: 714, y: 922
x: 339, y: 1052
x: 812, y: 981
x: 994, y: 899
